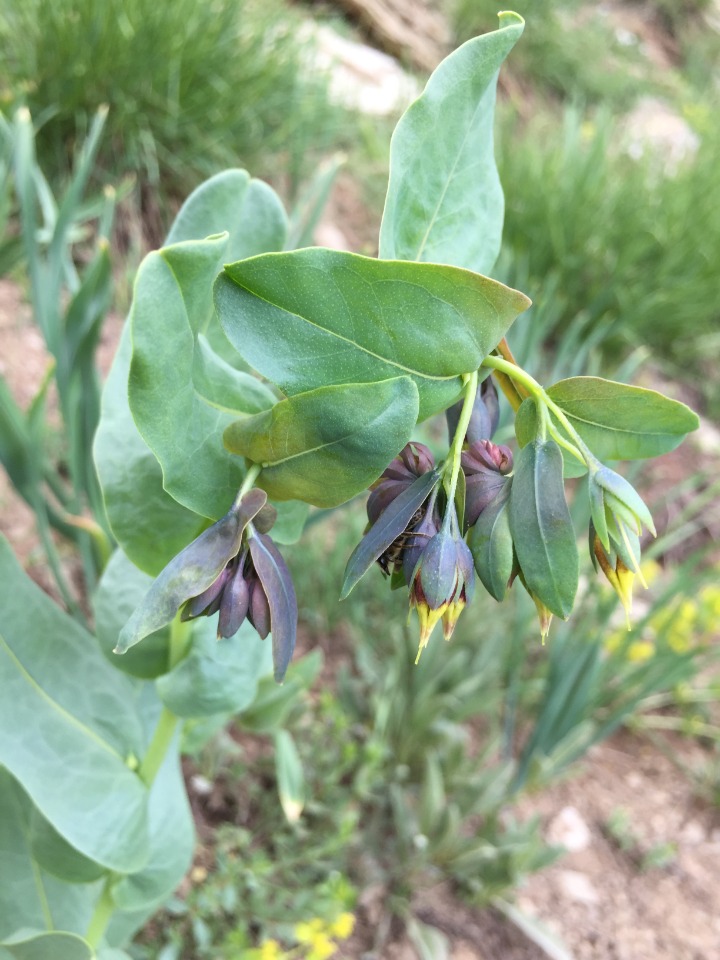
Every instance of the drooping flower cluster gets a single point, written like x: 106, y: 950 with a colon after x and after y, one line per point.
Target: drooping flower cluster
x: 234, y: 569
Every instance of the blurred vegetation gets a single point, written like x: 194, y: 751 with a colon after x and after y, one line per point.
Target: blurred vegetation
x: 191, y: 87
x: 408, y: 772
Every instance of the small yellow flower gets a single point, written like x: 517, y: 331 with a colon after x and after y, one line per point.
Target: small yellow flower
x: 321, y: 948
x: 343, y: 926
x: 271, y: 950
x: 307, y: 932
x: 640, y: 650
x: 198, y: 874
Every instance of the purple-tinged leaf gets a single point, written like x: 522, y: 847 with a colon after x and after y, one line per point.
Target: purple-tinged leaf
x: 388, y: 528
x: 191, y: 572
x: 278, y: 586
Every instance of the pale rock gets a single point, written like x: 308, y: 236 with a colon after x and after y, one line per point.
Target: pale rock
x: 693, y: 833
x: 570, y: 830
x: 328, y: 235
x: 361, y: 77
x: 577, y: 886
x: 654, y: 127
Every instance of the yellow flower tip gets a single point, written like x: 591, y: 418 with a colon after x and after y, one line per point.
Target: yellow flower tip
x: 198, y: 874
x: 451, y: 617
x: 624, y: 579
x: 428, y: 619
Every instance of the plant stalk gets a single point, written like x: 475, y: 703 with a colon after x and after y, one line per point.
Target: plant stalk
x: 455, y: 452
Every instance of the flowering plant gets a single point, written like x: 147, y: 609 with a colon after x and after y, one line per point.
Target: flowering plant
x: 252, y: 383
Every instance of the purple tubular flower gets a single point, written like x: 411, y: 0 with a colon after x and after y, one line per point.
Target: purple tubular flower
x: 259, y: 611
x: 416, y: 541
x: 442, y: 583
x: 484, y: 417
x: 412, y: 462
x: 235, y: 602
x: 485, y: 466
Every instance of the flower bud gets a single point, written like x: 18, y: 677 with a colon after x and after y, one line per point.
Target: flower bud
x: 441, y: 584
x: 235, y: 602
x: 259, y: 611
x: 618, y: 574
x: 414, y: 460
x: 484, y: 417
x: 485, y: 466
x: 416, y: 541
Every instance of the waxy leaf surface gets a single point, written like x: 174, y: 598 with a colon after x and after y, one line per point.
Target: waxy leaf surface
x: 541, y: 527
x: 171, y: 833
x: 43, y: 946
x: 61, y: 699
x: 171, y: 310
x: 217, y: 676
x: 444, y: 202
x: 317, y: 317
x: 391, y: 523
x: 491, y: 545
x: 620, y: 422
x: 233, y: 202
x: 327, y: 445
x: 121, y: 589
x: 148, y: 524
x: 30, y: 898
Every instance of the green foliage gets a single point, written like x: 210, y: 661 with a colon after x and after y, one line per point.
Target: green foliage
x: 359, y: 320
x: 579, y: 211
x: 619, y: 422
x: 69, y: 307
x: 570, y: 50
x: 190, y: 88
x: 327, y: 445
x: 444, y: 200
x: 541, y: 527
x: 358, y: 351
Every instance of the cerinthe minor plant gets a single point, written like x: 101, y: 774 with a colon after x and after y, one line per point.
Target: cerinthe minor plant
x: 252, y: 383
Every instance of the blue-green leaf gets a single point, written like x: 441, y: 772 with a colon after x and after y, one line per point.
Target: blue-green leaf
x: 444, y: 202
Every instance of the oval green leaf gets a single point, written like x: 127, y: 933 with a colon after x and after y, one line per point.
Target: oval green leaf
x: 44, y: 946
x: 327, y: 445
x: 541, y: 527
x: 217, y: 676
x: 72, y: 704
x: 620, y: 422
x: 248, y: 209
x: 444, y: 202
x: 34, y: 899
x: 491, y: 545
x: 147, y: 523
x: 316, y: 317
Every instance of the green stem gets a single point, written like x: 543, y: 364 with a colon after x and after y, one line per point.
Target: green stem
x: 577, y: 448
x: 152, y: 761
x: 104, y: 909
x: 250, y: 478
x: 455, y: 452
x: 167, y: 722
